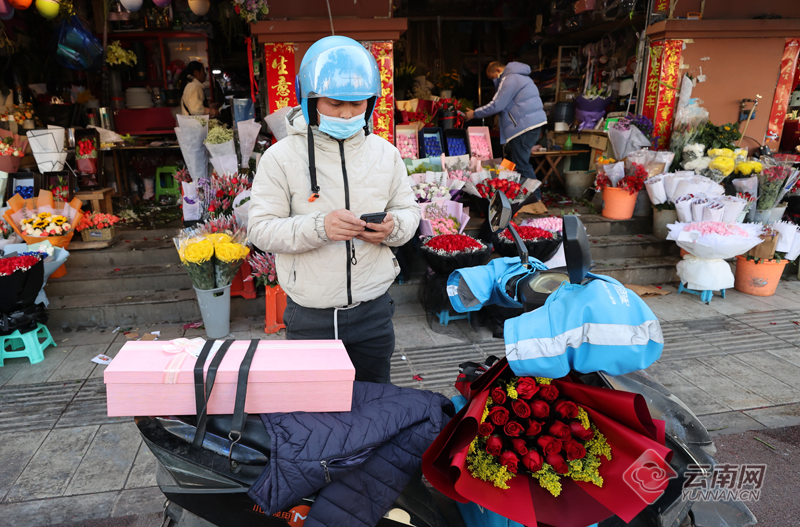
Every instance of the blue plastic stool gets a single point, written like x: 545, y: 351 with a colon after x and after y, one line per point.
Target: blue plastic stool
x: 28, y: 344
x: 445, y: 317
x: 705, y: 296
x: 168, y: 186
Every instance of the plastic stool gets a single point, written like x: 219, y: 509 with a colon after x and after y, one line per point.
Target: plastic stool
x: 27, y: 344
x: 276, y: 305
x: 169, y: 186
x: 705, y: 296
x: 445, y: 317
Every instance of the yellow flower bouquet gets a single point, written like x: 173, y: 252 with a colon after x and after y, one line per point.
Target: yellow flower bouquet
x: 213, y: 252
x: 197, y: 253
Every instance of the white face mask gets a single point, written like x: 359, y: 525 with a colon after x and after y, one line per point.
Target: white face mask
x: 341, y: 128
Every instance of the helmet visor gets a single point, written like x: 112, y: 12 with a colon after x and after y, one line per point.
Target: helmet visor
x: 341, y: 73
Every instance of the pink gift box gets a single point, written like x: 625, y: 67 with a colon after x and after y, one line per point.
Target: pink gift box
x: 285, y: 376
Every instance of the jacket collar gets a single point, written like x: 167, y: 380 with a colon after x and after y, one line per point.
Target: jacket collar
x: 296, y: 125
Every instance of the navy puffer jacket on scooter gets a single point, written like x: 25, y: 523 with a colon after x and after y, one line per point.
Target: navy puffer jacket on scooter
x: 359, y: 461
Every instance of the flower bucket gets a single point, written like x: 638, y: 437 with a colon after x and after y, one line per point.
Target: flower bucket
x: 215, y: 307
x: 276, y: 305
x: 618, y: 203
x: 758, y: 279
x: 578, y: 182
x: 767, y: 216
x: 662, y: 218
x: 96, y: 235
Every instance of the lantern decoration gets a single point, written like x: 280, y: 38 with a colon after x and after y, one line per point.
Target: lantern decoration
x: 20, y: 4
x: 130, y: 5
x: 48, y: 8
x: 199, y: 7
x: 6, y: 10
x: 162, y: 3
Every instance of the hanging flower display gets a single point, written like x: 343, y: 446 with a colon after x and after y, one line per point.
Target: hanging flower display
x: 251, y: 10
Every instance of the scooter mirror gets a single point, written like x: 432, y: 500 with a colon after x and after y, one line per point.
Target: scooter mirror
x: 499, y: 212
x: 576, y: 249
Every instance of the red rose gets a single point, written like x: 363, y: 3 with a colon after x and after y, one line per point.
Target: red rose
x: 498, y: 415
x: 494, y: 445
x: 534, y: 428
x: 220, y: 193
x: 574, y: 450
x: 498, y: 395
x: 560, y: 431
x: 513, y: 429
x: 540, y: 409
x: 533, y: 461
x: 549, y: 444
x: 557, y: 462
x: 566, y: 409
x: 580, y: 432
x: 526, y: 387
x: 510, y: 460
x: 485, y: 429
x: 519, y: 446
x: 521, y: 408
x: 549, y: 392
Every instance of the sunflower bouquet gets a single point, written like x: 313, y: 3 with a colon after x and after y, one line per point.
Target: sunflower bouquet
x: 45, y: 224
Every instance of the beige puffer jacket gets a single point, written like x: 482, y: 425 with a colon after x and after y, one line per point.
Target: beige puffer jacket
x: 363, y: 174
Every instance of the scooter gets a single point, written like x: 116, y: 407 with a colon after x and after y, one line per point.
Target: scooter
x: 207, y: 486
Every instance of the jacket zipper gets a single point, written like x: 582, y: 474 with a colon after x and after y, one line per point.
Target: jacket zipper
x: 351, y: 248
x: 326, y: 464
x: 512, y: 118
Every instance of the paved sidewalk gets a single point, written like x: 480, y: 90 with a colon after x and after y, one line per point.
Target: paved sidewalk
x: 735, y: 362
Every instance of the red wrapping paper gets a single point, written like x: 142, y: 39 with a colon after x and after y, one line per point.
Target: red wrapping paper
x: 621, y: 416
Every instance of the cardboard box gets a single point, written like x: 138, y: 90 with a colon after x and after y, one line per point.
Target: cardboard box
x: 766, y: 249
x: 599, y: 142
x: 285, y: 376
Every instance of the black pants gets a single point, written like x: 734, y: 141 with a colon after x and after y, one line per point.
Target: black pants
x: 518, y: 150
x: 366, y: 331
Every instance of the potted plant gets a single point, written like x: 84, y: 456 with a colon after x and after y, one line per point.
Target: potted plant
x: 447, y: 83
x: 619, y: 200
x: 759, y: 270
x: 97, y: 226
x: 264, y: 273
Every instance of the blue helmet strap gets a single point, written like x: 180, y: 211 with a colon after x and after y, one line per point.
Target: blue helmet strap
x: 312, y: 166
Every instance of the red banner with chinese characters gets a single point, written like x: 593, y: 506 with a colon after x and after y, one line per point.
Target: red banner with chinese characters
x: 668, y: 91
x: 660, y: 5
x: 383, y: 117
x: 783, y: 91
x: 651, y: 80
x: 661, y: 87
x: 279, y: 59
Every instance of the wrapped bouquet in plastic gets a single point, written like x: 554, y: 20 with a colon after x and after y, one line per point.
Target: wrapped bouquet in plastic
x: 443, y: 217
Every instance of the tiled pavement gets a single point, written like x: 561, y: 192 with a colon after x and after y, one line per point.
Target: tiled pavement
x: 736, y: 363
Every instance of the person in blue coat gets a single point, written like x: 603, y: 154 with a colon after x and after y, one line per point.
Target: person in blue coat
x: 521, y: 113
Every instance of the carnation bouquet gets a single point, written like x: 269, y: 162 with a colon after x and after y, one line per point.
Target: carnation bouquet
x: 447, y: 252
x: 633, y: 181
x: 541, y: 244
x: 771, y: 183
x: 222, y: 192
x: 545, y: 451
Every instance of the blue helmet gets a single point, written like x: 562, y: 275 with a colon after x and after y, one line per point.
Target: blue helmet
x: 339, y: 68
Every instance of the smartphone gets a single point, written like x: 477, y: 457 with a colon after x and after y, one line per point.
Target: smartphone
x: 373, y: 217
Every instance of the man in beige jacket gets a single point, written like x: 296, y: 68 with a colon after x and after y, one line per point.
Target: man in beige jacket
x: 309, y: 192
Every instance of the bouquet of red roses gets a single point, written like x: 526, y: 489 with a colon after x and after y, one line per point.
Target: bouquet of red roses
x: 86, y: 155
x: 541, y: 244
x: 633, y: 181
x: 547, y: 451
x: 445, y: 253
x: 511, y: 189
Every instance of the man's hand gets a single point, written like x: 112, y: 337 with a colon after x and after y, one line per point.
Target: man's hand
x: 342, y: 225
x: 382, y: 230
x: 470, y: 115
